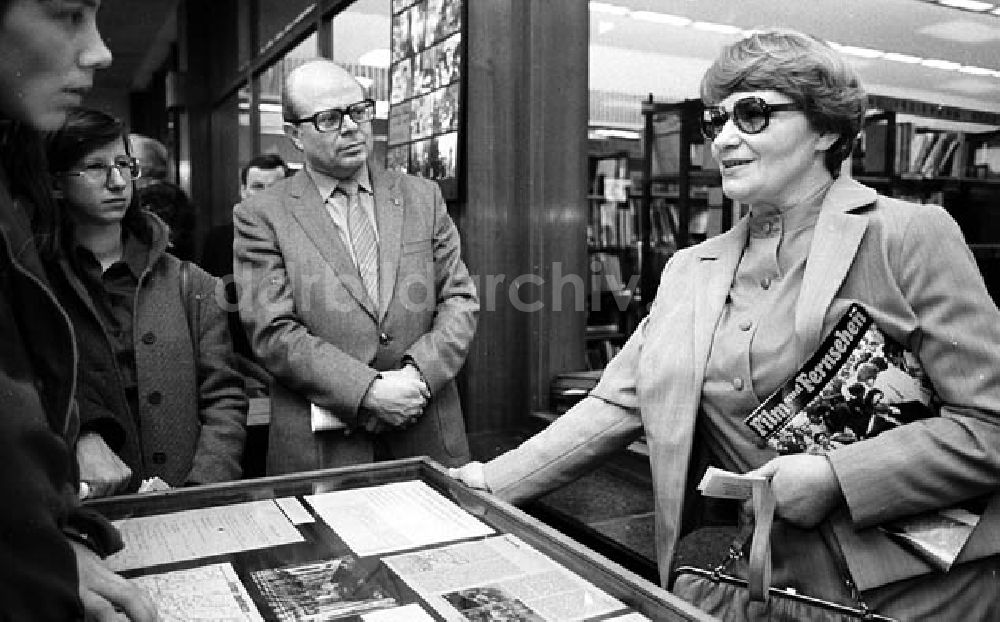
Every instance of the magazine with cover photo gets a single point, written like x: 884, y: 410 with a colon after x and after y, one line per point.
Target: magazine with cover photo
x: 858, y: 384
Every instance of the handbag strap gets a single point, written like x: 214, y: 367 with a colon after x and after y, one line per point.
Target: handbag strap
x: 759, y: 559
x: 758, y: 533
x: 759, y: 572
x: 191, y: 306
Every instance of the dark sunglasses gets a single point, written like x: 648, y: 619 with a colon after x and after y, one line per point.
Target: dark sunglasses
x: 331, y: 120
x: 750, y: 114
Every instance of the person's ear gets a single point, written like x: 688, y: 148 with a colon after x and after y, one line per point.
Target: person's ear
x: 294, y: 134
x: 826, y: 141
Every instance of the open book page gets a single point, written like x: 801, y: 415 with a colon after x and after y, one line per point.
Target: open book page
x: 858, y: 384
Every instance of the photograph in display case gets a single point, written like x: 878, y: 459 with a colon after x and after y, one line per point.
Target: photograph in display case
x: 425, y: 102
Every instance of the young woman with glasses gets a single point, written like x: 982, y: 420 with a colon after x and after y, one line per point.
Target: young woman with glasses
x: 157, y: 395
x: 738, y: 315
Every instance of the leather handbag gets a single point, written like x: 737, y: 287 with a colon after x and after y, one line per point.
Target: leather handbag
x: 733, y: 599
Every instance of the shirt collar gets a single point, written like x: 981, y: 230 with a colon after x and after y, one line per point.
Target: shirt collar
x: 326, y: 184
x: 769, y: 221
x: 135, y: 253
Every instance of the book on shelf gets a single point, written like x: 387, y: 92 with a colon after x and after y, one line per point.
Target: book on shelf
x: 858, y: 384
x: 918, y: 152
x: 606, y: 272
x: 876, y: 136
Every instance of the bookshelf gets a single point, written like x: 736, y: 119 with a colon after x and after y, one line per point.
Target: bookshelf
x: 945, y: 155
x: 613, y: 256
x: 680, y: 200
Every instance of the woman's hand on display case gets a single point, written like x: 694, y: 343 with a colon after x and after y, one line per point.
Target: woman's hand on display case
x: 472, y: 475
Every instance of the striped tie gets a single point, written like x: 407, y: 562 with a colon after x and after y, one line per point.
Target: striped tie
x: 362, y: 233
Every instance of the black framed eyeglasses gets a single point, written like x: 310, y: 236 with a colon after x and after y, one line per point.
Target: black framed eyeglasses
x: 330, y: 120
x: 750, y: 114
x: 100, y: 172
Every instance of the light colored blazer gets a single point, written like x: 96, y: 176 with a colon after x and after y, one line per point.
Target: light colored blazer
x: 312, y: 325
x: 909, y: 266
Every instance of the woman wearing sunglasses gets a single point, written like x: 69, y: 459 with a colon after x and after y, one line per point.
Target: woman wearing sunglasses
x: 739, y: 314
x: 157, y: 395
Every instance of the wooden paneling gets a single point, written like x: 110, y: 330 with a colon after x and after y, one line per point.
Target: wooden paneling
x: 524, y: 213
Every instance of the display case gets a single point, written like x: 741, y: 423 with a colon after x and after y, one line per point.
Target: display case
x: 389, y: 541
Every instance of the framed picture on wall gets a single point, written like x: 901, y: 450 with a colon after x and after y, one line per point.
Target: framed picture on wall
x: 426, y: 94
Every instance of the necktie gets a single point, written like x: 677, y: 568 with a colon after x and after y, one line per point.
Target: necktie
x: 362, y: 234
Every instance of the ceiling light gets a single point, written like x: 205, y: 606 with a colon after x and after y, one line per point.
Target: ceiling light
x: 976, y: 71
x: 940, y: 64
x: 852, y: 50
x: 604, y: 132
x: 971, y: 5
x: 902, y: 58
x: 661, y: 18
x: 995, y: 11
x: 721, y: 28
x: 611, y: 9
x: 378, y: 57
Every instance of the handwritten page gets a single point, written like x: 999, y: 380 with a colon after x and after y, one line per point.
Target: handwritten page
x: 194, y: 534
x: 499, y: 578
x: 394, y: 517
x: 212, y: 592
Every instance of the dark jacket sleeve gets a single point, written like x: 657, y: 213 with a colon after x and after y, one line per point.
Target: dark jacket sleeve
x: 222, y: 397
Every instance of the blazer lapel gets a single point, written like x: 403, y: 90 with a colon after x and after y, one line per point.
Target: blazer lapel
x: 719, y: 258
x: 835, y: 243
x: 308, y: 208
x: 389, y: 219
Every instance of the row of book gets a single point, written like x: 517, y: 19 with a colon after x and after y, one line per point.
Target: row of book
x: 612, y: 224
x: 916, y: 152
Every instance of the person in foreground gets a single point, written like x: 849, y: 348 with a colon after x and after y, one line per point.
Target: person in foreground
x: 156, y: 400
x: 50, y: 547
x: 783, y: 109
x: 354, y: 293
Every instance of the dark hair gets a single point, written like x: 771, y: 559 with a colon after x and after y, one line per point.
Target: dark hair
x: 169, y: 201
x: 85, y: 131
x: 806, y: 69
x: 265, y: 162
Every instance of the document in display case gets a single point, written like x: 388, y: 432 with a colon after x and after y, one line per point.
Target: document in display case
x: 387, y: 542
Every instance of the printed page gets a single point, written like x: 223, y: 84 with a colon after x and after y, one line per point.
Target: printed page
x: 194, y: 534
x: 394, y: 517
x: 500, y: 577
x: 727, y: 485
x: 212, y: 592
x: 322, y: 590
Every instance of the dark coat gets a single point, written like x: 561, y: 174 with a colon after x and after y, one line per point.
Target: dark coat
x: 38, y: 427
x: 191, y: 422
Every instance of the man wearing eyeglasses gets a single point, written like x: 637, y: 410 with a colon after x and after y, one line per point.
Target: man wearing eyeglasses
x: 354, y: 293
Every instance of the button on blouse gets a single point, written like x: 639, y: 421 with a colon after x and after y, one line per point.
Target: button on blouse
x: 754, y: 348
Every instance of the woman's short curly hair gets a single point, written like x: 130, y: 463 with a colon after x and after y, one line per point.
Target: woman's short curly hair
x: 804, y: 68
